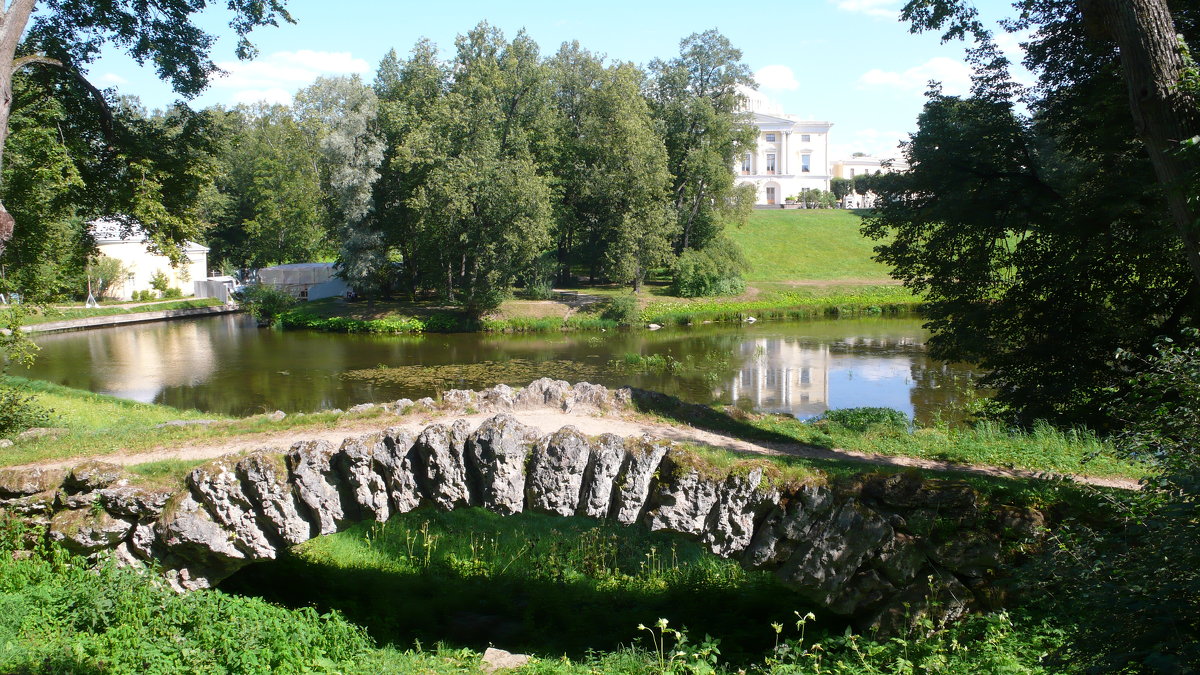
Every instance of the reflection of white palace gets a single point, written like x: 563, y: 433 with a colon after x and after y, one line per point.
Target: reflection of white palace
x: 782, y: 375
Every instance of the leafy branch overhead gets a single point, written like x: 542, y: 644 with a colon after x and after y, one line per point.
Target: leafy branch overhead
x: 68, y: 34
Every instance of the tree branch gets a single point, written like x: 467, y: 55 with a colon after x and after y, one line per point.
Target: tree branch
x: 106, y: 115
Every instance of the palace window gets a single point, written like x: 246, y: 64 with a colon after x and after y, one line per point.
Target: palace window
x: 771, y: 163
x: 746, y: 164
x: 805, y: 166
x: 805, y: 138
x: 770, y: 138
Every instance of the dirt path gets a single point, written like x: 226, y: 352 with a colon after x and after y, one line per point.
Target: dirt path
x: 549, y: 420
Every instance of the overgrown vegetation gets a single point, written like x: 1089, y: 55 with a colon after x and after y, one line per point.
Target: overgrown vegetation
x: 65, y: 615
x: 266, y: 304
x: 1147, y: 571
x: 19, y: 409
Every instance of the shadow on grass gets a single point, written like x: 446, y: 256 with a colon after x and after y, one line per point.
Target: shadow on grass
x: 543, y: 601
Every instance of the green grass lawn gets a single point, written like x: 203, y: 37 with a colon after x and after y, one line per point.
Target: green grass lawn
x: 97, y: 425
x: 50, y: 313
x: 807, y: 245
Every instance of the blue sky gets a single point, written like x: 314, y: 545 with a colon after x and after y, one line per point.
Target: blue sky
x: 850, y: 62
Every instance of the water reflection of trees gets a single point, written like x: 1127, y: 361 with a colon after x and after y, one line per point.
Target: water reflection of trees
x: 940, y: 390
x: 227, y: 365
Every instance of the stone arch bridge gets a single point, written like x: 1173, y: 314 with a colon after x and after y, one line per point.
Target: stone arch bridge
x: 878, y: 548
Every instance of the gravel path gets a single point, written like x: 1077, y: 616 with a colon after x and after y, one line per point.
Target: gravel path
x: 592, y: 424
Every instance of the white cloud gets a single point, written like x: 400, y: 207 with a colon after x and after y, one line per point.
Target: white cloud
x: 776, y: 77
x: 889, y: 9
x: 954, y: 75
x: 875, y: 142
x: 276, y: 76
x: 112, y: 79
x: 280, y: 96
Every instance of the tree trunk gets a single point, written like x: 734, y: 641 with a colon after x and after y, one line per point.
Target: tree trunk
x: 1164, y: 114
x: 12, y: 25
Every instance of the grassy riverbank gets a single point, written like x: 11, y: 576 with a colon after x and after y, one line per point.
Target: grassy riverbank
x: 524, y: 316
x: 48, y: 313
x: 803, y: 265
x: 89, y: 424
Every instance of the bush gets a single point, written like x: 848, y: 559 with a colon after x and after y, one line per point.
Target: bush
x: 159, y: 282
x: 19, y: 411
x: 861, y: 419
x: 486, y: 300
x: 266, y: 303
x: 105, y: 272
x: 623, y: 309
x: 172, y: 294
x: 714, y: 270
x: 539, y: 280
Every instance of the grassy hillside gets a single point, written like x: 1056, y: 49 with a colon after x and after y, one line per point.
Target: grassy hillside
x: 794, y: 245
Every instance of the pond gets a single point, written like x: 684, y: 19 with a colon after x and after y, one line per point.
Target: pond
x: 227, y: 365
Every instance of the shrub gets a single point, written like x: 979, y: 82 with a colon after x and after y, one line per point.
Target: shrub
x: 19, y: 411
x: 539, y: 280
x: 714, y: 270
x: 623, y: 309
x: 861, y: 419
x: 172, y: 294
x: 266, y: 303
x: 105, y: 272
x: 486, y: 300
x: 159, y: 282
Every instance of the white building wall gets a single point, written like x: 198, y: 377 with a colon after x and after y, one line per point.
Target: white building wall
x: 141, y: 266
x: 789, y: 141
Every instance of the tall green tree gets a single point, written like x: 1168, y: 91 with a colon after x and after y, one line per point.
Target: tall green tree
x: 483, y: 207
x: 67, y: 34
x: 271, y: 212
x: 696, y: 101
x: 340, y: 114
x: 41, y: 186
x: 409, y: 92
x: 1042, y: 244
x: 612, y: 174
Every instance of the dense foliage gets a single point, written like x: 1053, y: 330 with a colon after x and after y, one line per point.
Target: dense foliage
x: 715, y: 270
x: 1056, y: 248
x: 266, y: 303
x: 1041, y: 243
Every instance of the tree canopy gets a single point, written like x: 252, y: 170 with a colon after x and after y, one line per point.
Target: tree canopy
x: 68, y: 34
x: 1043, y: 243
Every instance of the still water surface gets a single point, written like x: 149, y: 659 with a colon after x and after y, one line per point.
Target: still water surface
x: 225, y: 364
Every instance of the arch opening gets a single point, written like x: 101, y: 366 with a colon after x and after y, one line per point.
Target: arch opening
x: 533, y: 583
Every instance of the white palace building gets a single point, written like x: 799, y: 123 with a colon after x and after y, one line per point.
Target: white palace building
x: 792, y: 154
